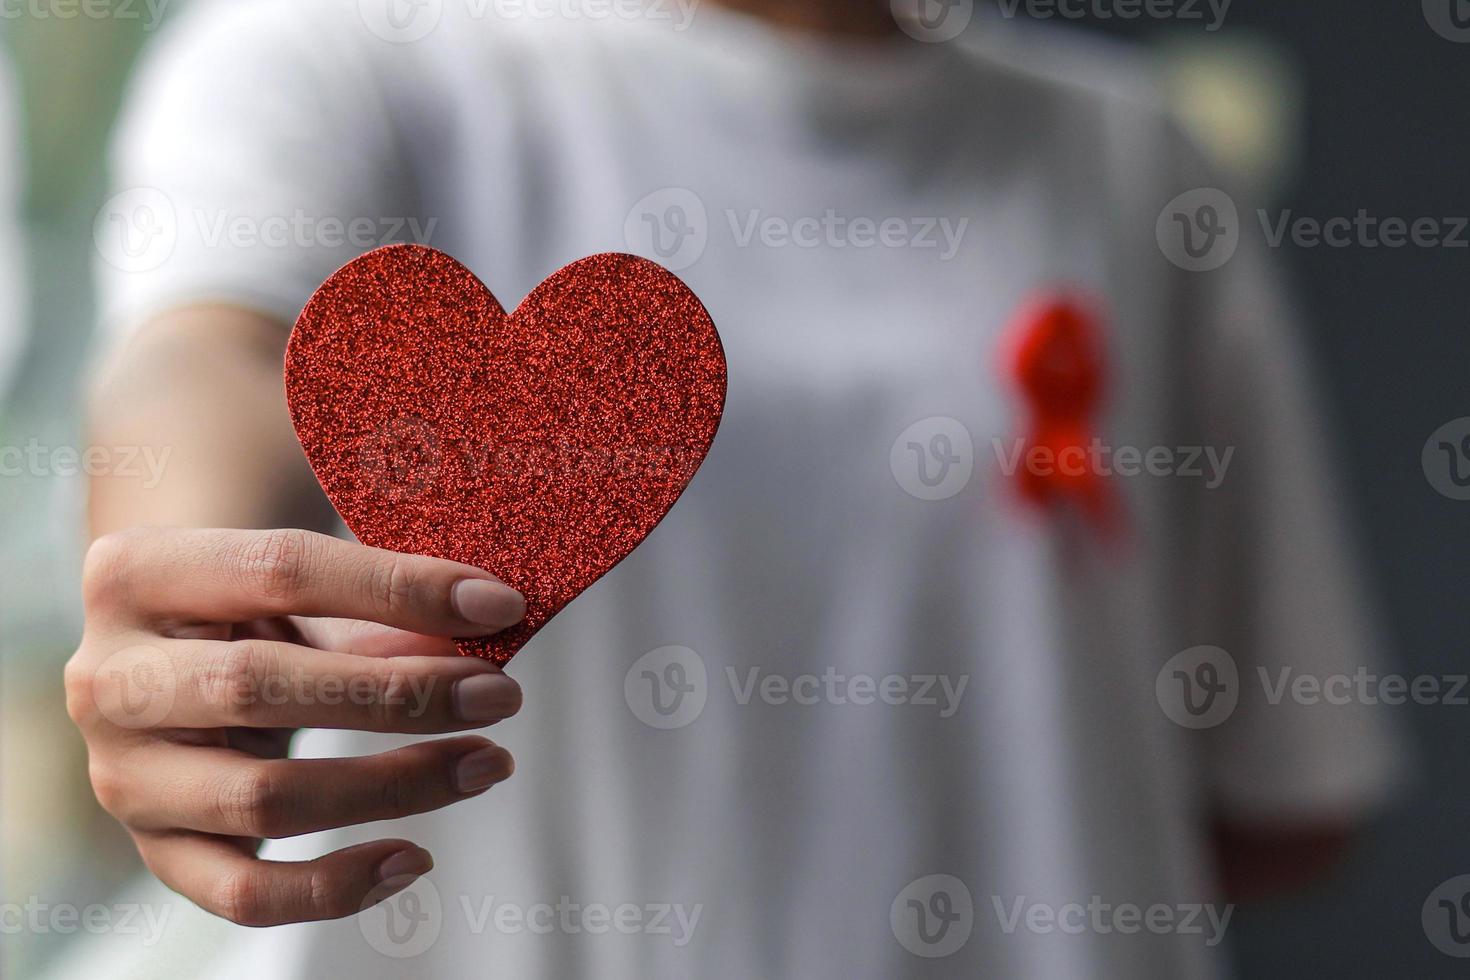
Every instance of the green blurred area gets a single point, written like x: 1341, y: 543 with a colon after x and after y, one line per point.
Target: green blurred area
x: 70, y: 65
x: 71, y: 75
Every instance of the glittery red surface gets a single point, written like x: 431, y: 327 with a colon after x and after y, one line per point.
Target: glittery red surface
x: 541, y: 445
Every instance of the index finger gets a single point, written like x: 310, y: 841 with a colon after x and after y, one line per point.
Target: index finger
x: 233, y: 576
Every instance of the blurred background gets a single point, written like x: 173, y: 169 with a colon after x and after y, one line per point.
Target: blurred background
x: 1328, y: 109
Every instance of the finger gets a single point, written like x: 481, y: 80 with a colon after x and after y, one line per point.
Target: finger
x: 364, y: 639
x: 225, y: 575
x: 267, y: 684
x: 219, y: 791
x: 220, y: 877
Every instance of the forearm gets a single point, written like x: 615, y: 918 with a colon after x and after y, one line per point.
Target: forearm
x: 199, y: 394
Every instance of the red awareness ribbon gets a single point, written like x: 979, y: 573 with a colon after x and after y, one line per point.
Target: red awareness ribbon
x: 1056, y: 359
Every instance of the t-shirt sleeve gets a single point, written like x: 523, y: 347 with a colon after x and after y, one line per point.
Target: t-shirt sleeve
x: 1272, y: 573
x: 254, y: 155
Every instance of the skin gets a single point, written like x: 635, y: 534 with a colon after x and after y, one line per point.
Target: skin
x: 205, y: 625
x: 251, y: 634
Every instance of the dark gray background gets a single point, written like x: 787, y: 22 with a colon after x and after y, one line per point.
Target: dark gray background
x: 1386, y: 130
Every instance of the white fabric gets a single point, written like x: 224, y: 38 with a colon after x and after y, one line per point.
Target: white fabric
x: 795, y: 827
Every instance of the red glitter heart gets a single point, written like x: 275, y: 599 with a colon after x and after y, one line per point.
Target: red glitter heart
x: 542, y: 445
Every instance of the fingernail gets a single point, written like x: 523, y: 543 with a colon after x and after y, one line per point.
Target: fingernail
x: 486, y: 697
x: 487, y: 603
x: 482, y: 768
x: 411, y: 862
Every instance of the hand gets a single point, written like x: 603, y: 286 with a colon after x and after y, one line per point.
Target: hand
x: 204, y: 650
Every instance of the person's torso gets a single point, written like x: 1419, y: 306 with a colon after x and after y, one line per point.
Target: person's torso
x: 886, y: 666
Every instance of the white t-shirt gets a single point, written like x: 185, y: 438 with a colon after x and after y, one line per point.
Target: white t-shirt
x: 963, y: 687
